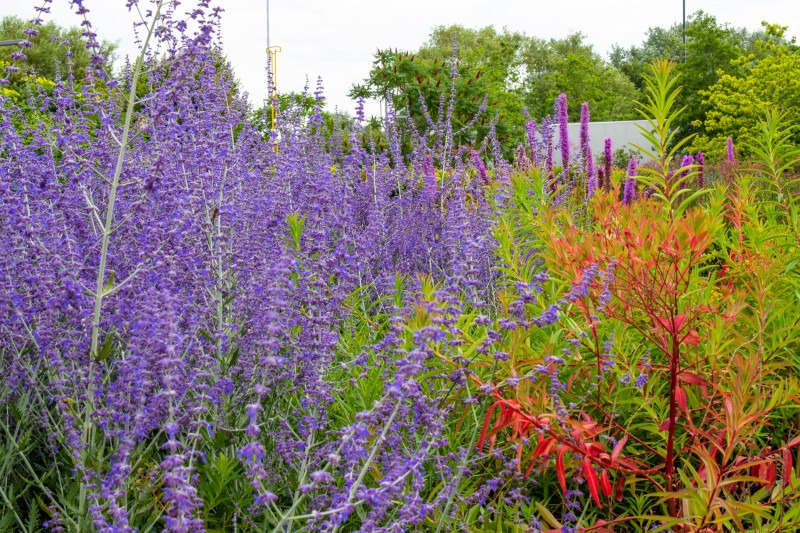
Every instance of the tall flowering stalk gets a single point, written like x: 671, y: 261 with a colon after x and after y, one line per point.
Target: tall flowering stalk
x: 731, y: 155
x: 629, y: 191
x: 584, y: 128
x: 563, y: 130
x: 102, y: 287
x: 608, y: 162
x: 686, y: 162
x: 533, y: 144
x: 591, y: 177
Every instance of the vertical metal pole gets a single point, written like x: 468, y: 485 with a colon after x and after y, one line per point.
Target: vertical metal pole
x: 684, y: 31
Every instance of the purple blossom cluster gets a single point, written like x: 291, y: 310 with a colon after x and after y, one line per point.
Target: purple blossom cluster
x: 225, y: 253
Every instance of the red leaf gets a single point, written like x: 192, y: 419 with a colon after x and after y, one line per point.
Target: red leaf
x: 680, y: 398
x: 771, y: 474
x: 664, y: 425
x: 795, y: 441
x: 677, y: 323
x: 787, y: 467
x: 562, y: 477
x: 618, y: 449
x: 619, y: 489
x: 692, y: 338
x: 591, y: 480
x: 486, y: 424
x: 662, y: 321
x: 544, y: 447
x: 693, y: 379
x: 605, y: 483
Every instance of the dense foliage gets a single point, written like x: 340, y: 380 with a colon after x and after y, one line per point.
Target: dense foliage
x: 207, y: 324
x: 499, y: 74
x: 54, y: 49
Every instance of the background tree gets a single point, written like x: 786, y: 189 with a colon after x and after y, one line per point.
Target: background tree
x: 573, y: 67
x: 509, y: 69
x: 486, y: 66
x: 766, y: 79
x: 52, y: 49
x: 711, y: 51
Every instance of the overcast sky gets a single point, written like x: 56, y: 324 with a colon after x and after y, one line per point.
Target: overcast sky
x: 335, y: 39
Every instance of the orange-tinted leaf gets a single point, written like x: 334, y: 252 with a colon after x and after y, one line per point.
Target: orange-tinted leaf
x: 591, y: 480
x: 562, y: 476
x: 605, y: 483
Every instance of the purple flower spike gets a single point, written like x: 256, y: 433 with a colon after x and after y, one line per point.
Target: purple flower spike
x: 731, y: 154
x: 687, y: 160
x: 429, y: 177
x: 584, y: 131
x: 609, y: 161
x: 563, y: 131
x: 591, y: 178
x: 701, y: 171
x: 530, y: 128
x: 480, y: 167
x: 629, y: 193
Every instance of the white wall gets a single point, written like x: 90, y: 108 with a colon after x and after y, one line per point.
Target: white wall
x: 622, y: 133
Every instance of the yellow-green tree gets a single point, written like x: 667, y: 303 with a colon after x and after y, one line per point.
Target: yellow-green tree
x: 769, y: 80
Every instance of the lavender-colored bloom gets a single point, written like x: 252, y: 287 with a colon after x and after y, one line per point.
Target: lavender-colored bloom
x: 584, y: 127
x: 533, y: 145
x: 685, y: 162
x: 480, y: 167
x: 549, y: 148
x: 591, y: 178
x: 731, y: 154
x: 429, y: 177
x: 701, y: 170
x: 563, y: 130
x: 608, y: 161
x: 629, y: 192
x: 360, y: 110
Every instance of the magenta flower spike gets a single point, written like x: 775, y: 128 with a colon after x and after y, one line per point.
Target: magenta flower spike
x: 629, y: 192
x: 563, y: 130
x: 608, y: 162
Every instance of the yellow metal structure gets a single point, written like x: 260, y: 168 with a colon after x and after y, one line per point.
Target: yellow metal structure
x: 272, y: 56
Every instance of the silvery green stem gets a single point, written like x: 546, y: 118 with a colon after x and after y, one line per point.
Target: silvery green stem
x: 372, y: 454
x: 87, y: 437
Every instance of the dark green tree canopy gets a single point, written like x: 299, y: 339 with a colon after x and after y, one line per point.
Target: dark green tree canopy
x: 572, y: 66
x: 501, y: 71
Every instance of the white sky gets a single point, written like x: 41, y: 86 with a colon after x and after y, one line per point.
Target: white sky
x: 335, y: 39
